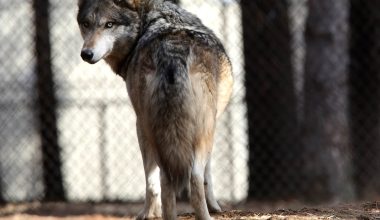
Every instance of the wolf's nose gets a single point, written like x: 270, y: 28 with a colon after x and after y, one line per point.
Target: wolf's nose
x: 87, y: 54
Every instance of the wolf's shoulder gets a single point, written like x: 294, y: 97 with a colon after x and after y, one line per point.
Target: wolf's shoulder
x: 168, y: 19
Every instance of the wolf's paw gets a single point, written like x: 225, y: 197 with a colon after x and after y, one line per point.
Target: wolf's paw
x: 214, y: 207
x: 153, y: 212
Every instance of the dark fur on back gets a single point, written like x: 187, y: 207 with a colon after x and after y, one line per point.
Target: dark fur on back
x: 159, y: 19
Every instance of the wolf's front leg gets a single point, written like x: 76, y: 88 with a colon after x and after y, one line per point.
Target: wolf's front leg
x: 152, y: 206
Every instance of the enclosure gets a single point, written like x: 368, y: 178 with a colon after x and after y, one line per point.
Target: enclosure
x: 302, y: 128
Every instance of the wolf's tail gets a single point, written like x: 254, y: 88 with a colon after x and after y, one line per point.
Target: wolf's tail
x: 172, y: 115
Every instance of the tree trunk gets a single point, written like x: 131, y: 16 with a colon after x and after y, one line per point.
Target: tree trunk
x: 365, y: 95
x: 271, y: 100
x: 325, y: 125
x: 46, y: 105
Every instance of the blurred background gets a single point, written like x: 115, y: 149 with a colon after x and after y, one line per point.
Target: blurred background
x: 303, y: 123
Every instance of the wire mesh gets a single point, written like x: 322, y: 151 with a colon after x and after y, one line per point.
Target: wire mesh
x: 303, y: 121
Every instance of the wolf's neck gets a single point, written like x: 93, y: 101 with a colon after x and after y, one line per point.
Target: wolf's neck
x: 116, y: 63
x: 113, y: 63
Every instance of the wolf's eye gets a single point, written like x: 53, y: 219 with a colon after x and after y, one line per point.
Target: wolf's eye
x: 109, y: 25
x: 85, y: 24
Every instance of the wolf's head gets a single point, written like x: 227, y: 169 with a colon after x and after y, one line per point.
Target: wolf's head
x: 109, y: 28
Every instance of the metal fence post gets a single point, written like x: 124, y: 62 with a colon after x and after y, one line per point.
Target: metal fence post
x: 46, y: 105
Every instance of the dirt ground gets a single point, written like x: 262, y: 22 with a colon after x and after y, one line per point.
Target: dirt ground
x: 59, y: 211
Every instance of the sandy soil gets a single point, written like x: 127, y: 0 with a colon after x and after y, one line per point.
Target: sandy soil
x: 59, y: 211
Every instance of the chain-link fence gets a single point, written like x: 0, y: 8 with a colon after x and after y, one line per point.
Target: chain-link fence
x: 303, y: 122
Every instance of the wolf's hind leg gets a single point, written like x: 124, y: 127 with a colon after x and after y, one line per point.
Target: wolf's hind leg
x: 168, y: 199
x: 212, y: 204
x: 152, y: 206
x: 197, y: 197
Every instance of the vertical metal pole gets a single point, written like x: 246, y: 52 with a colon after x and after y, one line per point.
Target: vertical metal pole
x: 103, y: 153
x: 228, y: 115
x: 46, y: 105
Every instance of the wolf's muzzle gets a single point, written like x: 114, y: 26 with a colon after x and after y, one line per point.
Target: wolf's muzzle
x: 87, y: 55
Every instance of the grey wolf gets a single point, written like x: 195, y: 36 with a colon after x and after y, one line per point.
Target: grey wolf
x: 179, y: 80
